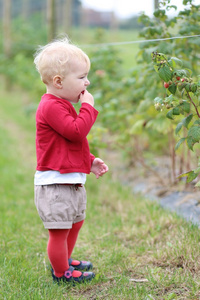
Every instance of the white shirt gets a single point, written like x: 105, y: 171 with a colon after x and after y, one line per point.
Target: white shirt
x: 55, y: 177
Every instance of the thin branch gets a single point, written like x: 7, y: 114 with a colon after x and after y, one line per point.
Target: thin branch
x: 198, y: 114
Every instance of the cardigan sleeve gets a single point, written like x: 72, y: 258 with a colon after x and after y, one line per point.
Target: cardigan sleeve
x: 65, y: 121
x: 92, y: 157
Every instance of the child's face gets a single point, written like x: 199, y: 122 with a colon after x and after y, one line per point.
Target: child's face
x: 75, y: 81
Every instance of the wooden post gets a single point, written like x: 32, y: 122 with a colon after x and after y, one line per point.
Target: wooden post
x: 113, y: 22
x: 51, y: 20
x: 25, y: 6
x: 67, y: 16
x: 7, y: 36
x: 7, y: 27
x: 156, y: 4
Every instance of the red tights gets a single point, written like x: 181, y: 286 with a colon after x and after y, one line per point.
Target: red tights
x: 60, y: 246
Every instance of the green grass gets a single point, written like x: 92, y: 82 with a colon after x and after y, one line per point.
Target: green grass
x: 125, y: 236
x: 127, y: 53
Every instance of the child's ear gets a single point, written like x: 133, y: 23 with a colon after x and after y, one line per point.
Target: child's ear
x: 57, y: 82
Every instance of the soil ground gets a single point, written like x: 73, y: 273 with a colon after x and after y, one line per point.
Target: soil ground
x: 182, y: 198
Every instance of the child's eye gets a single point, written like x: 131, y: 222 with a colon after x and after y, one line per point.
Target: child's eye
x: 83, y: 77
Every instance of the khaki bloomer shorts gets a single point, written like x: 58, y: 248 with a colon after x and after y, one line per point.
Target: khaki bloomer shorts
x: 60, y: 205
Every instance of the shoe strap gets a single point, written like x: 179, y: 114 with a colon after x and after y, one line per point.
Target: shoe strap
x: 70, y: 260
x: 68, y: 273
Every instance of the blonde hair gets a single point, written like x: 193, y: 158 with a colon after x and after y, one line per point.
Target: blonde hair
x: 52, y: 59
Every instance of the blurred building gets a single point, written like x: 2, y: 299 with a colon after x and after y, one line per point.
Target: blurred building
x: 94, y: 18
x: 76, y: 14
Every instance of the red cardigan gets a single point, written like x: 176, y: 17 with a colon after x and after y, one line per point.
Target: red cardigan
x: 61, y: 142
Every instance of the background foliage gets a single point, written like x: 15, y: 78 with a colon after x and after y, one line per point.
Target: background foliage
x: 128, y: 119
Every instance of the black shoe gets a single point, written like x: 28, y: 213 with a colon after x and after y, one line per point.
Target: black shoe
x: 83, y: 265
x: 68, y: 277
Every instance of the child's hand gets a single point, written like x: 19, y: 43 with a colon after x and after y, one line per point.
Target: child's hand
x: 99, y: 167
x: 86, y: 97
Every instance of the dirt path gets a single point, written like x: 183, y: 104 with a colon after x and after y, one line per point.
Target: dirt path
x: 20, y: 136
x: 177, y: 198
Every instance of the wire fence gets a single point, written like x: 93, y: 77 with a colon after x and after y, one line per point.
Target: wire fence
x: 140, y: 41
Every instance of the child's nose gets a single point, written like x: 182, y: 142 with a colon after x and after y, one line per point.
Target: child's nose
x: 87, y: 82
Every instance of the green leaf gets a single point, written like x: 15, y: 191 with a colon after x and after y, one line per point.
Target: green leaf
x: 189, y: 74
x: 194, y: 132
x: 197, y: 122
x: 158, y: 100
x: 183, y: 174
x: 169, y: 115
x: 181, y: 86
x: 178, y: 127
x: 174, y: 61
x: 179, y: 143
x: 169, y: 99
x: 183, y: 72
x: 191, y: 176
x: 165, y: 73
x: 176, y: 111
x: 187, y: 120
x: 187, y: 87
x: 193, y: 87
x: 159, y: 13
x: 185, y: 106
x: 172, y: 88
x: 190, y: 142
